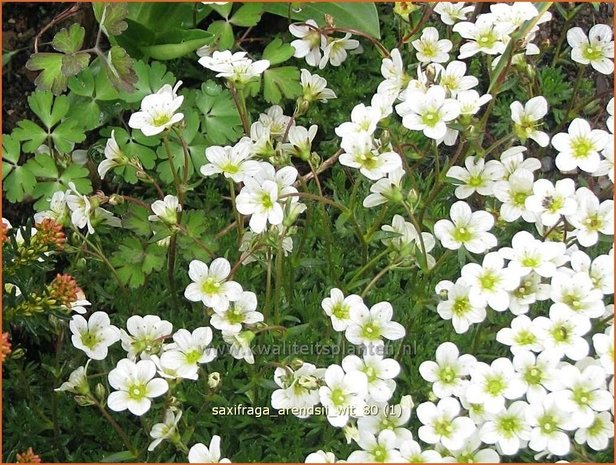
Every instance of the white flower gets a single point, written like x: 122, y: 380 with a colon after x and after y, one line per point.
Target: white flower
x: 363, y: 121
x: 507, y: 428
x: 447, y: 373
x: 471, y: 102
x: 600, y: 271
x: 260, y: 200
x: 478, y: 176
x: 145, y: 335
x: 521, y: 335
x: 430, y: 49
x: 300, y: 141
x: 381, y: 448
x: 392, y: 70
x: 166, y: 210
x: 539, y: 373
x: 442, y: 425
x: 562, y: 333
x: 369, y: 326
x: 83, y: 214
x: 411, y: 450
x: 233, y: 162
x: 388, y: 417
x: 385, y: 189
x: 188, y: 351
x: 606, y: 165
x: 548, y: 421
x: 314, y: 87
x: 320, y: 457
x: 579, y: 147
x: 461, y: 306
x: 275, y: 121
x: 93, y: 336
x: 490, y: 281
x: 335, y: 50
x: 380, y: 373
x: 453, y: 78
x: 575, y: 292
x: 529, y: 254
x: 158, y: 111
x: 298, y: 389
x: 199, y: 453
x: 451, y: 13
x: 604, y: 346
x: 598, y: 434
x: 338, y: 308
x: 210, y: 285
x: 408, y: 241
x: 166, y: 430
x: 135, y: 386
x: 551, y: 201
x: 308, y: 45
x: 58, y: 209
x: 591, y: 217
x: 343, y: 394
x: 113, y: 156
x: 513, y: 193
x: 584, y: 394
x: 484, y: 36
x: 471, y: 452
x: 466, y: 229
x: 597, y: 49
x: 77, y: 381
x: 240, y: 345
x: 234, y: 67
x: 429, y: 112
x: 514, y: 162
x: 240, y: 311
x: 491, y: 384
x: 360, y: 153
x: 528, y: 118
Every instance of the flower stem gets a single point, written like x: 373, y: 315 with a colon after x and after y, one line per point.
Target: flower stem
x: 115, y: 426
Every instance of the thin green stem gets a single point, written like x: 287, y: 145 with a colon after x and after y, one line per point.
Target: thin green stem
x: 115, y: 425
x: 378, y: 276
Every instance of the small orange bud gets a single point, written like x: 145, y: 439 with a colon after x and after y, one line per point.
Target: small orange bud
x: 28, y: 457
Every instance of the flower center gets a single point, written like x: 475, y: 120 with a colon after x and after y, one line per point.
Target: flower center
x: 461, y: 306
x: 488, y: 281
x: 548, y: 424
x: 340, y: 311
x: 430, y: 118
x: 371, y: 331
x: 447, y: 375
x: 266, y: 201
x: 581, y: 147
x: 582, y: 396
x: 462, y: 234
x: 508, y: 425
x: 553, y: 204
x: 525, y: 338
x: 379, y: 453
x: 519, y: 198
x: 338, y: 397
x: 495, y: 385
x: 210, y: 286
x: 137, y: 391
x: 89, y: 339
x: 443, y: 427
x: 475, y: 181
x: 593, y: 222
x: 192, y: 357
x: 561, y: 333
x: 592, y: 53
x: 533, y: 375
x: 161, y: 119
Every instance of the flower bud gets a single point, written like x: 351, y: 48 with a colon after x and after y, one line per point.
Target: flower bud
x: 213, y: 380
x: 84, y: 401
x: 407, y: 402
x: 100, y: 392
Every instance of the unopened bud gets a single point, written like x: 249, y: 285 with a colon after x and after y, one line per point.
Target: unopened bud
x: 84, y: 401
x: 213, y: 380
x: 100, y: 392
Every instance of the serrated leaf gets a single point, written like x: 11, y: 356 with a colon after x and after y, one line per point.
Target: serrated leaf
x: 134, y: 261
x: 66, y: 135
x: 69, y: 40
x: 222, y: 35
x: 31, y: 134
x: 277, y: 52
x: 120, y: 69
x: 281, y: 82
x: 150, y: 78
x: 221, y: 122
x: 51, y: 76
x: 43, y: 166
x: 247, y: 15
x: 74, y: 63
x: 49, y: 110
x: 17, y: 181
x: 114, y: 18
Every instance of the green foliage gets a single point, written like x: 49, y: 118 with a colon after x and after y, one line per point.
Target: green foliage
x: 135, y: 260
x: 360, y: 16
x: 220, y: 120
x: 281, y: 82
